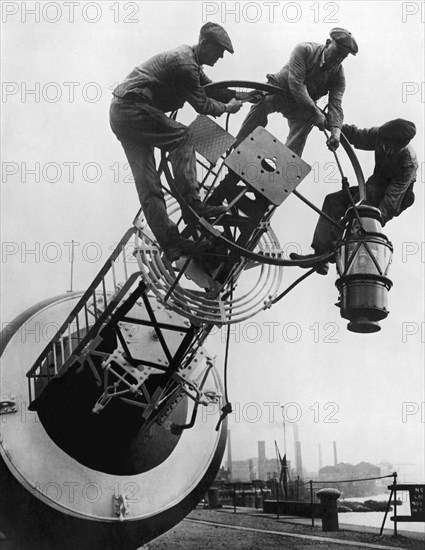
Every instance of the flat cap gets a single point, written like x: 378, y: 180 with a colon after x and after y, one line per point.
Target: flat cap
x: 398, y: 130
x: 344, y: 39
x: 216, y: 33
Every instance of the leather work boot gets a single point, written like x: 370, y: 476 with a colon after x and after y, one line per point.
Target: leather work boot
x: 179, y: 247
x: 205, y: 210
x: 321, y: 269
x: 294, y: 256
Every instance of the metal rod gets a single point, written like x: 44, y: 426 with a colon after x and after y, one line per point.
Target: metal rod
x: 314, y: 207
x: 94, y: 304
x: 157, y: 330
x: 182, y: 270
x: 86, y: 316
x: 335, y: 155
x: 346, y: 186
x: 395, y: 503
x: 125, y: 262
x: 209, y: 171
x: 30, y: 389
x: 277, y: 499
x: 144, y: 322
x: 47, y: 367
x: 312, y: 503
x: 55, y: 358
x: 78, y: 328
x: 72, y: 264
x: 105, y: 299
x: 375, y: 261
x: 62, y: 350
x: 386, y: 513
x: 69, y: 340
x: 282, y: 295
x: 114, y: 279
x: 238, y: 197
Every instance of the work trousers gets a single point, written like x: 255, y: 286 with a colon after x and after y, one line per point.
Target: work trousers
x: 326, y: 235
x: 300, y: 125
x: 300, y: 122
x: 140, y: 128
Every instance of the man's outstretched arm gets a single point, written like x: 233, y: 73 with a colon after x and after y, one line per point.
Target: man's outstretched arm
x: 297, y: 86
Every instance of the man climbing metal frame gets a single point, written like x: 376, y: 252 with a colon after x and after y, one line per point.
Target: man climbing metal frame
x: 137, y: 116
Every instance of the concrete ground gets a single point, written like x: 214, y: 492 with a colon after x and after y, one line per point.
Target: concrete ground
x: 251, y: 529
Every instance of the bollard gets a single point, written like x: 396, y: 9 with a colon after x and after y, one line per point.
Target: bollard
x: 213, y: 498
x: 328, y: 500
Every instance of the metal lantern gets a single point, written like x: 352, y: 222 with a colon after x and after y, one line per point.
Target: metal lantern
x: 363, y: 260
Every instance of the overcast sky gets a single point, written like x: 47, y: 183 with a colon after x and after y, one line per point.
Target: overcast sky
x: 64, y: 177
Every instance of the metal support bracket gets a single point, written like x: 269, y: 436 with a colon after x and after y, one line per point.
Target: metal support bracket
x: 267, y: 165
x: 121, y: 506
x: 119, y: 373
x: 194, y: 388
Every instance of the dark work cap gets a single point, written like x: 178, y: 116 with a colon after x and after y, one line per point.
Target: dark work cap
x: 398, y: 130
x: 216, y: 33
x: 344, y: 39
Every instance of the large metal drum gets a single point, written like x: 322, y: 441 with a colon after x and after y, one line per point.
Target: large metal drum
x: 50, y: 500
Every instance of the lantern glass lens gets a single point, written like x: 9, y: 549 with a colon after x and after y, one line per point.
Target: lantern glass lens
x: 362, y: 262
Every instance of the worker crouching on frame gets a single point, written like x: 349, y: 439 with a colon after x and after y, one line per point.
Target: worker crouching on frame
x: 390, y: 188
x: 137, y: 116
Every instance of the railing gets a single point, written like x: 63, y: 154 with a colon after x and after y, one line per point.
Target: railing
x: 299, y: 498
x: 83, y: 323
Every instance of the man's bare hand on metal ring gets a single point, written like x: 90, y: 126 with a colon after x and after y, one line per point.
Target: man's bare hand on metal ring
x: 233, y: 106
x: 333, y: 141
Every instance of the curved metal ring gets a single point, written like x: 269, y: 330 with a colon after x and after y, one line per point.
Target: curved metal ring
x: 260, y: 86
x: 355, y: 164
x: 261, y: 258
x: 269, y: 88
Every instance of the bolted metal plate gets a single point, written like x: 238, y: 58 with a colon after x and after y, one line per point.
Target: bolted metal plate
x: 142, y: 339
x: 209, y: 139
x: 265, y: 164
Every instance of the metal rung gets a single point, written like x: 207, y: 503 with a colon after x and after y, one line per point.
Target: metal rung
x: 68, y: 342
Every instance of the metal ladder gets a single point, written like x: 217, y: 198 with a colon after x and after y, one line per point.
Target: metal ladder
x: 83, y: 324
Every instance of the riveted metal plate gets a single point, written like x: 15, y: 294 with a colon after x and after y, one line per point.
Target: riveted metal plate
x: 209, y: 139
x: 267, y: 165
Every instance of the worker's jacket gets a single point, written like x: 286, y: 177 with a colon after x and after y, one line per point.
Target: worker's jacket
x: 390, y: 188
x: 305, y: 79
x: 169, y: 79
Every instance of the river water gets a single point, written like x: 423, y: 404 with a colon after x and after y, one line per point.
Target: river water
x: 375, y: 519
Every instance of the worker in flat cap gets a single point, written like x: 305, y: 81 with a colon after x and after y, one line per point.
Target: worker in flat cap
x: 389, y: 188
x: 313, y: 71
x: 161, y: 85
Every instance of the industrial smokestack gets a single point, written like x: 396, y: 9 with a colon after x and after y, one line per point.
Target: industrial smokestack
x: 262, y: 460
x: 320, y: 457
x: 298, y: 459
x: 297, y: 447
x: 296, y: 436
x: 335, y: 455
x: 251, y: 469
x: 229, y: 455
